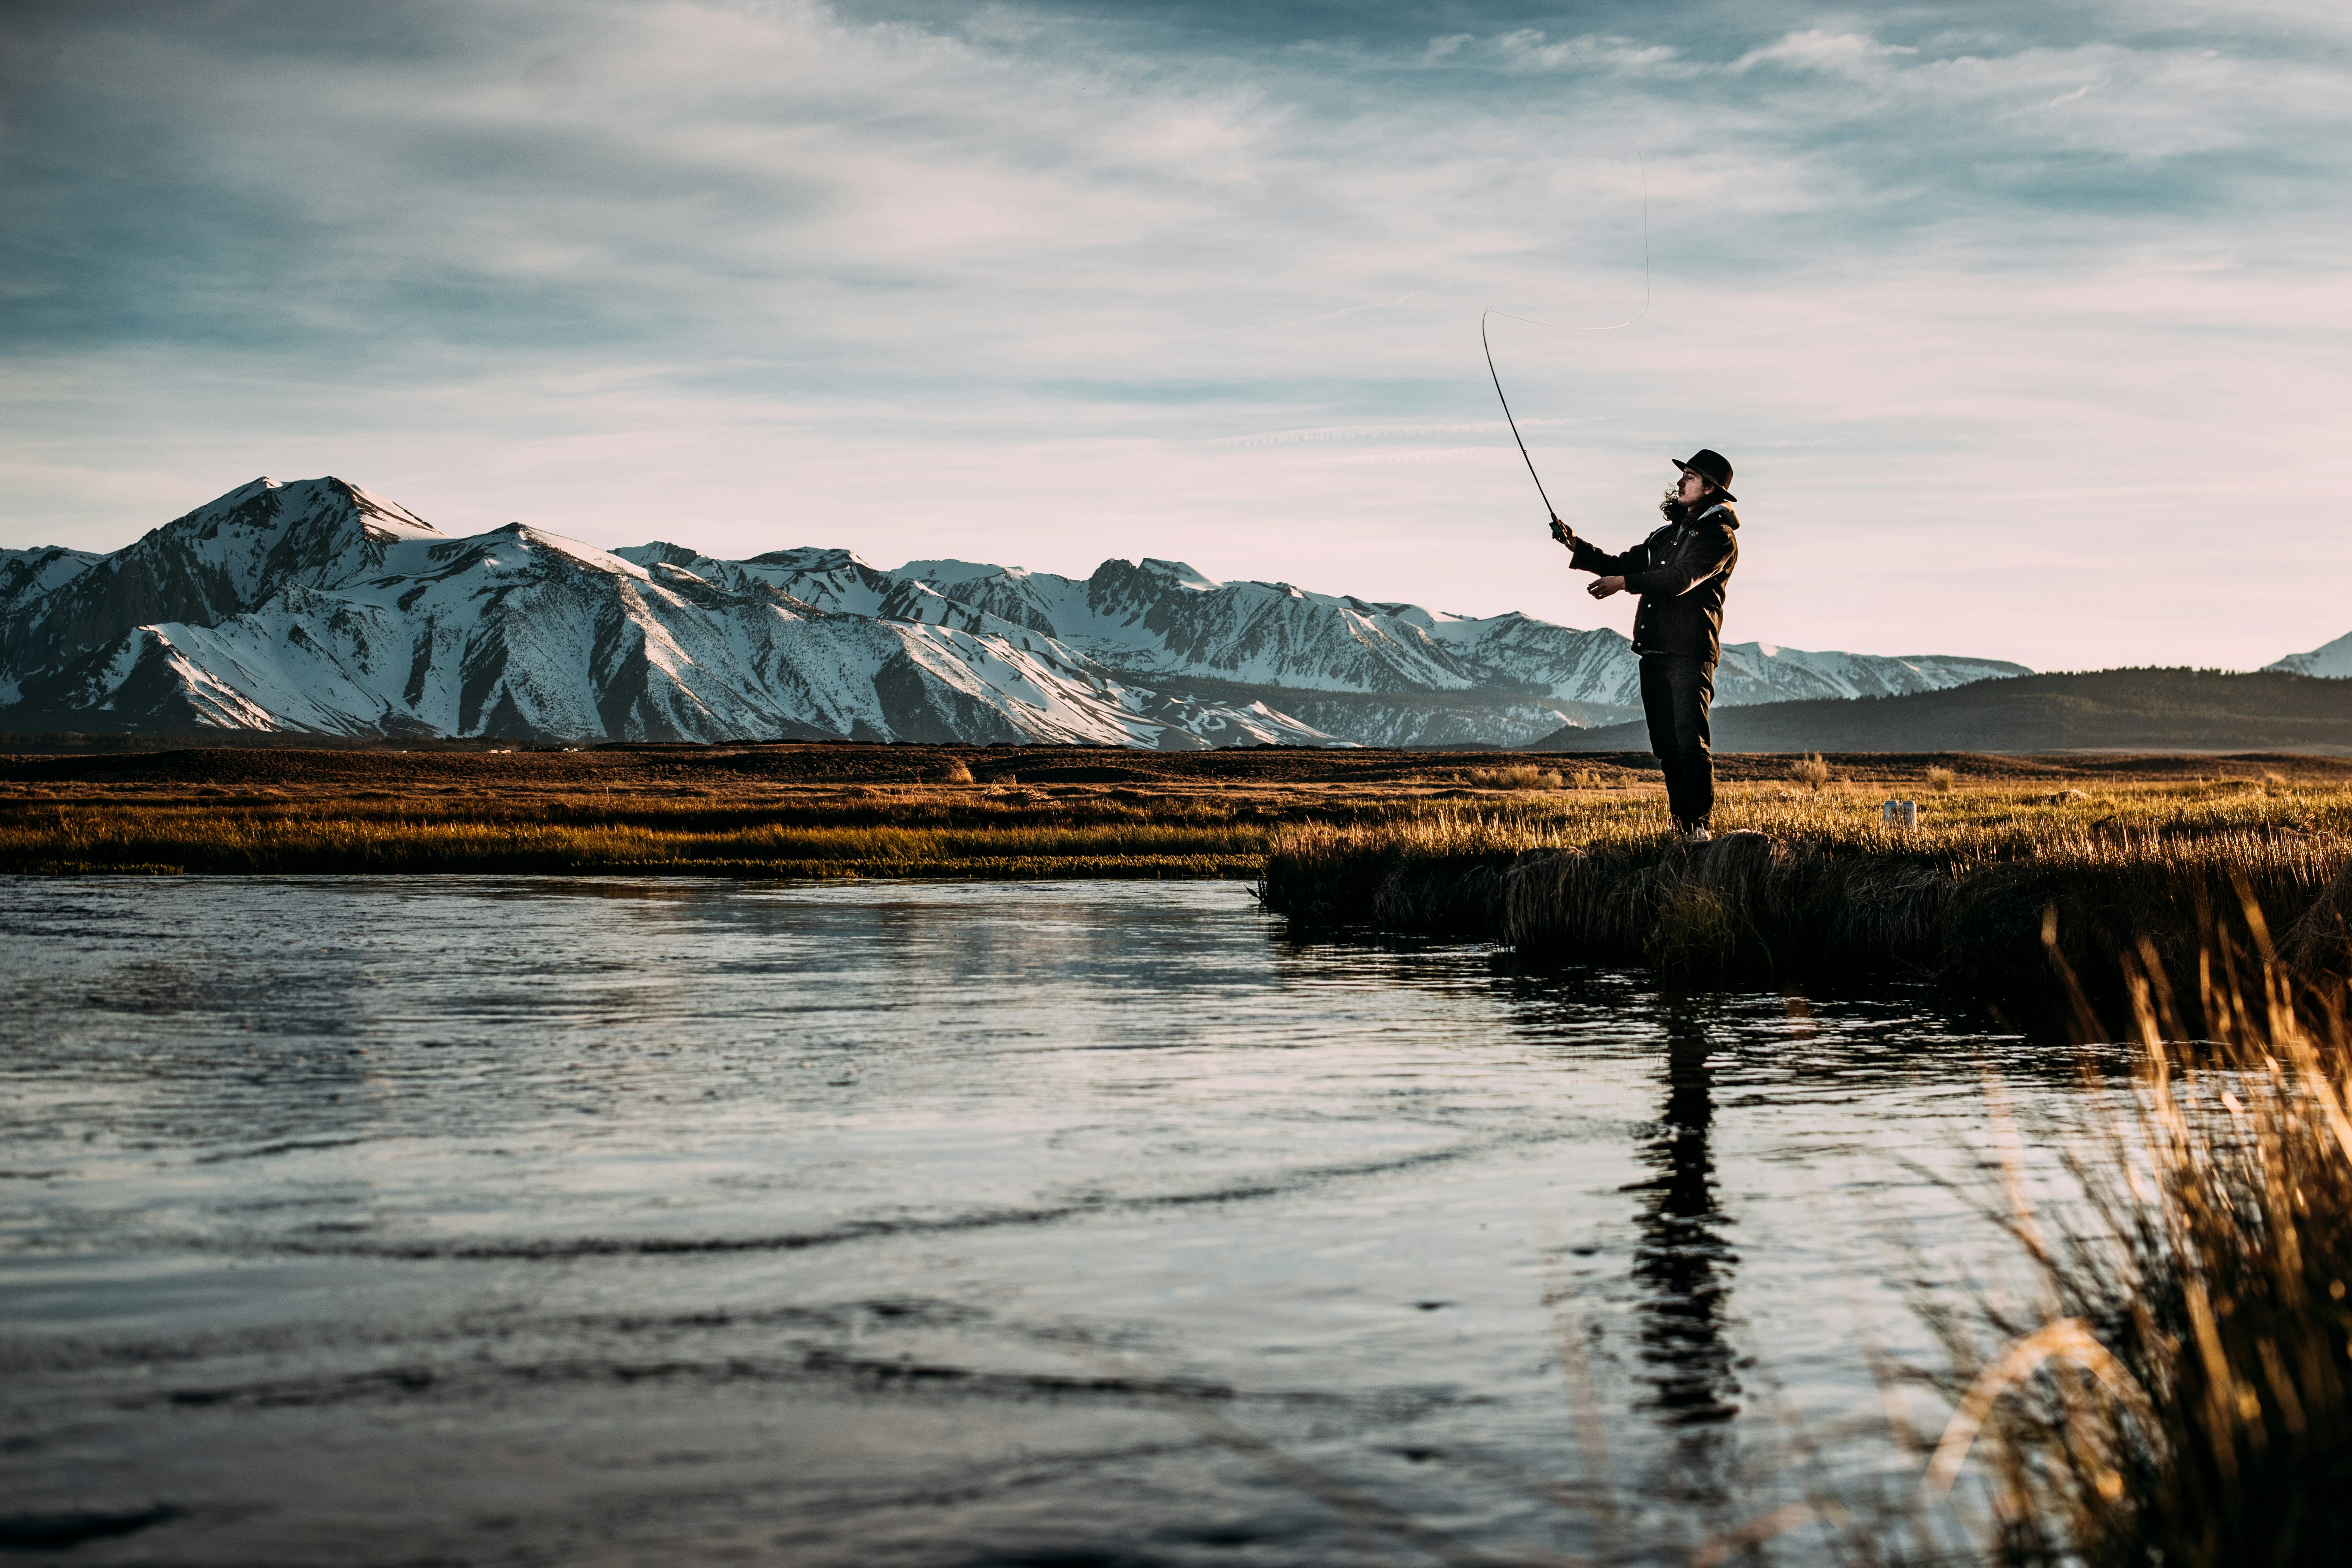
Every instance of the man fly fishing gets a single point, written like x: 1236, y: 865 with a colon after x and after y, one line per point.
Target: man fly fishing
x: 1680, y: 571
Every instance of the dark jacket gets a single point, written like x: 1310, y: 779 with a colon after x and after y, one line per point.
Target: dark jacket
x: 1680, y: 572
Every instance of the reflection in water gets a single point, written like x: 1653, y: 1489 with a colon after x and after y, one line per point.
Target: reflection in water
x: 1682, y: 1263
x: 885, y: 1226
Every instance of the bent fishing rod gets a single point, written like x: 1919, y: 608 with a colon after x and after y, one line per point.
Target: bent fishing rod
x: 1557, y: 527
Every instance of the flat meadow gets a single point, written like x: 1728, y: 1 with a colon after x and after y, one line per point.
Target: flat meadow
x: 822, y: 810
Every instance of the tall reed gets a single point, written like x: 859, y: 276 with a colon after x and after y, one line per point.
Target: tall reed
x: 2181, y: 1392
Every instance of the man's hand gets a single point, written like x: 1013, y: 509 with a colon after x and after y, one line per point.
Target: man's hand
x: 1561, y: 532
x: 1601, y: 587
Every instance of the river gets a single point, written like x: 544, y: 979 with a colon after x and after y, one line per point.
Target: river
x: 531, y: 1220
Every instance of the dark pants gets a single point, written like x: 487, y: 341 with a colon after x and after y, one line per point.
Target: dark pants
x: 1676, y: 695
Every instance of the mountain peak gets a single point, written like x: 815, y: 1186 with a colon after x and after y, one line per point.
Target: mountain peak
x: 659, y: 553
x: 947, y: 573
x: 817, y: 558
x: 382, y: 513
x: 1181, y: 576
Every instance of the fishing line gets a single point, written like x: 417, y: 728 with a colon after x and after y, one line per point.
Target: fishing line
x: 1552, y: 512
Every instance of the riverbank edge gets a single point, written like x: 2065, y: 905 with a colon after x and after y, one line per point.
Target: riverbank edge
x: 2022, y: 935
x: 1019, y: 868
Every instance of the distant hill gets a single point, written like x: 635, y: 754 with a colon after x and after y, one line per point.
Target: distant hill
x: 2128, y: 709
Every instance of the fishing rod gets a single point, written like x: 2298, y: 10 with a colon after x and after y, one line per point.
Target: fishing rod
x: 1549, y: 511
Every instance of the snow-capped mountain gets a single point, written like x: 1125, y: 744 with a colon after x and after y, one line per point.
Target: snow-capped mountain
x: 2331, y: 660
x: 1763, y: 672
x: 26, y: 574
x: 316, y: 606
x: 1162, y: 620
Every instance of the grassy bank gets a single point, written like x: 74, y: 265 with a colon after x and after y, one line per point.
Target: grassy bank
x: 1564, y: 861
x: 1807, y: 884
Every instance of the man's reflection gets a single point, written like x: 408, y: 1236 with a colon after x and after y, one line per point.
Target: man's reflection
x: 1681, y: 1261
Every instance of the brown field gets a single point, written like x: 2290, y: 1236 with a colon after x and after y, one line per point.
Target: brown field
x: 798, y: 809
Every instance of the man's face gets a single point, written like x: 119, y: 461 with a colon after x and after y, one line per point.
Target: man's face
x: 1691, y: 489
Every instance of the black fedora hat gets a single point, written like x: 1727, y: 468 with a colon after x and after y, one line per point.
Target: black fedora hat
x: 1711, y: 466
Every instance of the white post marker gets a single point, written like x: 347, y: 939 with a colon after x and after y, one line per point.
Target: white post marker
x: 1900, y: 814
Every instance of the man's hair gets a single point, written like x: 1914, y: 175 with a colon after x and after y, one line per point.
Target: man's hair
x: 1673, y: 509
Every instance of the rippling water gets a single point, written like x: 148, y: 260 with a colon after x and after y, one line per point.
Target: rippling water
x: 537, y: 1221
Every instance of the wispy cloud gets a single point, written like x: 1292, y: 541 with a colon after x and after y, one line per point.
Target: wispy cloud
x: 1854, y: 55
x: 1055, y: 283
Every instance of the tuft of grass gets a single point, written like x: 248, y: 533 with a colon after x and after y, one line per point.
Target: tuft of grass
x: 955, y: 772
x: 1940, y: 780
x: 1522, y: 776
x: 1810, y: 771
x: 2181, y: 1393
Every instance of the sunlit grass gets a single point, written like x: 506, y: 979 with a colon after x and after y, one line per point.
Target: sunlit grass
x: 2177, y: 1389
x: 1957, y: 827
x: 202, y: 843
x: 1519, y: 777
x: 1803, y: 881
x: 1299, y: 837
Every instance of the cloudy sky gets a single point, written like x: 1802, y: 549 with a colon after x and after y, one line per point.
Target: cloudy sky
x: 2026, y: 325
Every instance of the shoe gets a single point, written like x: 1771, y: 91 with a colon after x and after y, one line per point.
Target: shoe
x: 1699, y: 834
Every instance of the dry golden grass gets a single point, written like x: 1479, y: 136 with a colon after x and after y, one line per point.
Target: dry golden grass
x: 1968, y: 825
x: 1519, y: 777
x: 934, y: 826
x: 1940, y: 780
x: 346, y: 845
x: 1805, y: 883
x: 891, y: 811
x: 329, y: 840
x: 2178, y: 1391
x: 1810, y: 771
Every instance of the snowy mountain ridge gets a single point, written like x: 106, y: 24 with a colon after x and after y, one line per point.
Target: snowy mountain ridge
x: 317, y: 607
x: 1163, y: 619
x: 2331, y: 660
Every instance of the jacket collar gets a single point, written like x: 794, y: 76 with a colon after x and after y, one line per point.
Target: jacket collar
x: 1730, y: 518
